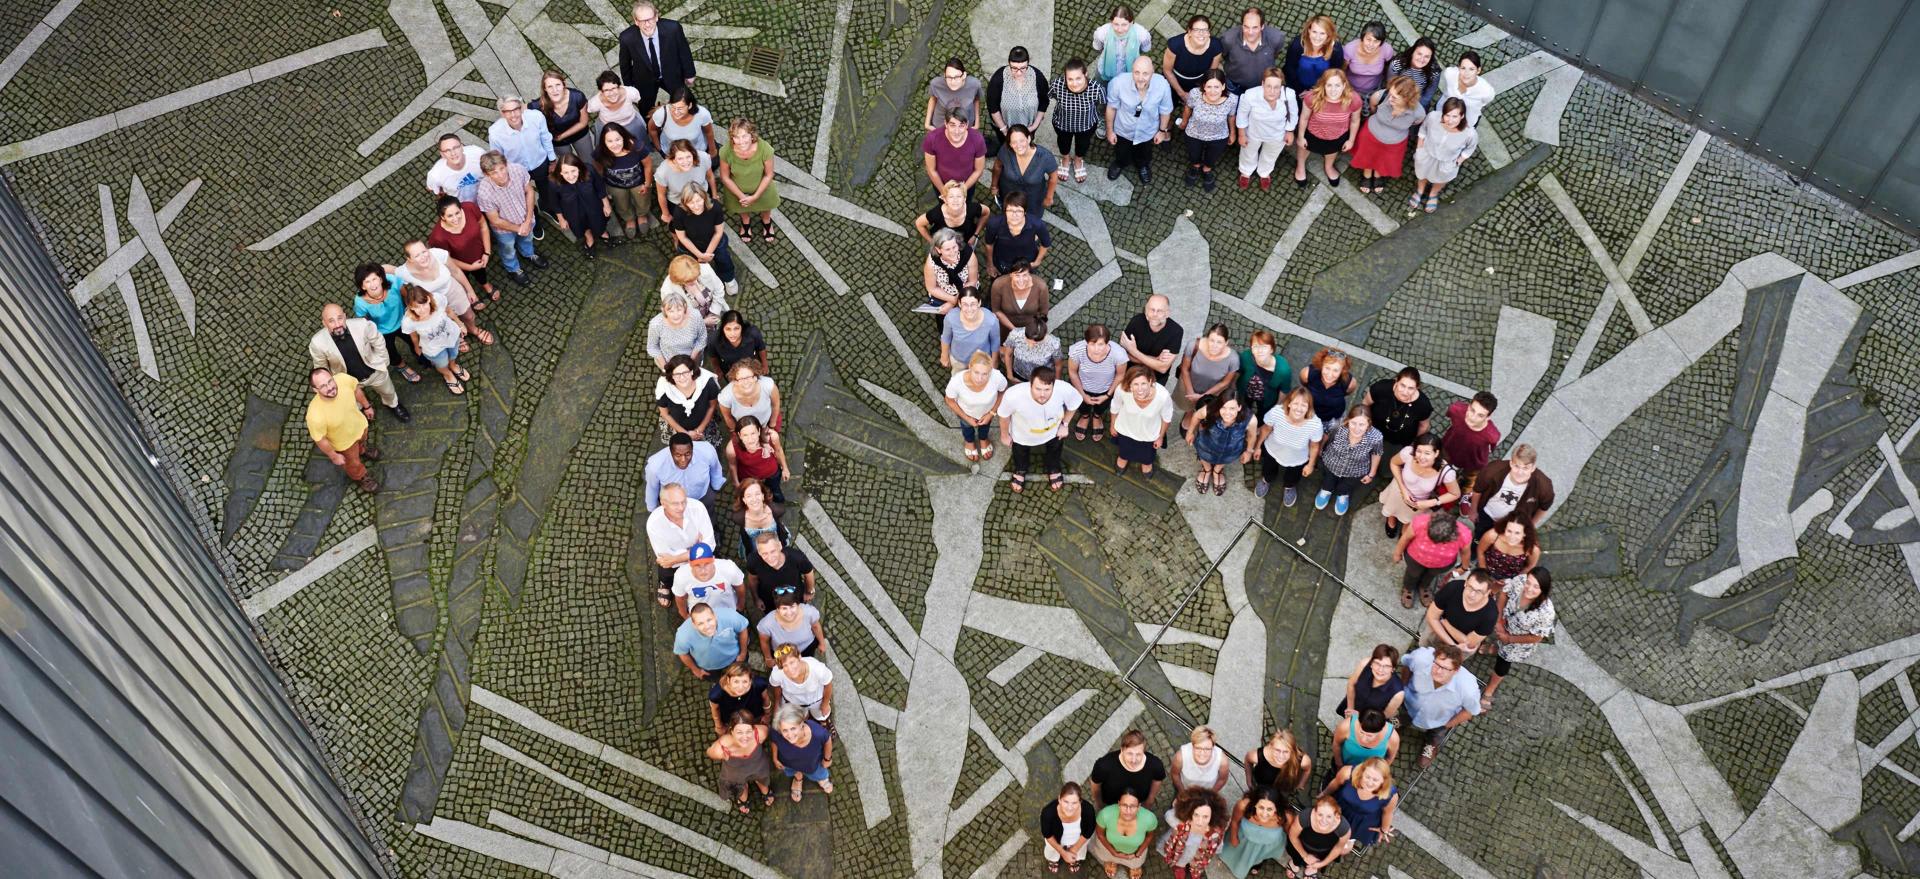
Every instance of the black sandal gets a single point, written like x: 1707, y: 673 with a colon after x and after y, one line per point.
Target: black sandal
x: 766, y: 231
x: 1019, y: 481
x: 746, y: 231
x: 1056, y: 481
x: 663, y: 595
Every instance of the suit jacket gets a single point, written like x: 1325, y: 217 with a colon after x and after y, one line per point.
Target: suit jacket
x: 373, y: 347
x: 1534, y: 499
x: 676, y: 60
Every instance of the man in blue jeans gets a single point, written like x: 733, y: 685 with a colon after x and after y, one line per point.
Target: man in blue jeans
x: 506, y: 196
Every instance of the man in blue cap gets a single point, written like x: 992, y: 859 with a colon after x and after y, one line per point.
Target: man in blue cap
x: 707, y: 580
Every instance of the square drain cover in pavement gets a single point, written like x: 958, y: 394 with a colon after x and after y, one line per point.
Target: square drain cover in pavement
x: 762, y: 61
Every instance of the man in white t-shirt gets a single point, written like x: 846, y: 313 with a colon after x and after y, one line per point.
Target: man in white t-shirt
x: 707, y: 580
x: 1034, y: 415
x: 458, y: 171
x: 673, y: 529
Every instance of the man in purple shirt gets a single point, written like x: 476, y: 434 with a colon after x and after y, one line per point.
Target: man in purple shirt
x: 955, y: 151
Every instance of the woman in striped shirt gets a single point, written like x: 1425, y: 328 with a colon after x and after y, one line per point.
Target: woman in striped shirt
x: 1420, y: 63
x: 1289, y: 443
x: 1092, y: 365
x: 1329, y: 121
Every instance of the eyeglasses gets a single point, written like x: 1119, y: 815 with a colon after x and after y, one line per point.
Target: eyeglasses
x: 682, y: 374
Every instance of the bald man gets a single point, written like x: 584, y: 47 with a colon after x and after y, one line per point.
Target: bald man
x: 353, y: 346
x: 1152, y: 338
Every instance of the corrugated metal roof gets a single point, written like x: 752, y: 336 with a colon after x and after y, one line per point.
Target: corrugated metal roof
x: 141, y: 731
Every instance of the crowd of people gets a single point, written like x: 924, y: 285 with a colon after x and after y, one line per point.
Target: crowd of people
x: 609, y: 168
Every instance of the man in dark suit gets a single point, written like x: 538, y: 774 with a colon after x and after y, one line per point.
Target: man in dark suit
x: 654, y: 56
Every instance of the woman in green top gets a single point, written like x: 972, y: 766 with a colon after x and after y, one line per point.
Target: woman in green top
x: 1264, y: 375
x: 1122, y: 837
x: 746, y: 173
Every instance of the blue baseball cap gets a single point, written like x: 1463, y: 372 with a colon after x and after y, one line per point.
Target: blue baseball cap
x: 699, y: 551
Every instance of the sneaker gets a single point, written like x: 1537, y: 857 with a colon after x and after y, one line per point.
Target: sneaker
x: 1246, y: 181
x: 1193, y: 176
x: 1113, y: 172
x: 1320, y: 500
x: 538, y: 261
x: 1260, y: 489
x: 400, y: 412
x: 1340, y: 505
x: 1289, y: 496
x: 522, y: 278
x: 1207, y: 180
x: 931, y: 306
x: 1146, y: 176
x: 732, y: 288
x: 1426, y: 757
x: 1266, y: 183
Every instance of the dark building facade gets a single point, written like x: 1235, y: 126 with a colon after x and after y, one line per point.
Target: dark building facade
x: 142, y: 732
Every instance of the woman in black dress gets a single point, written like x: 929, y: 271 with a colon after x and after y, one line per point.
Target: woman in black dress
x: 577, y: 198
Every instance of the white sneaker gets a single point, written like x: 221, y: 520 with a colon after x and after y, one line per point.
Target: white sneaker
x: 733, y: 288
x: 931, y: 306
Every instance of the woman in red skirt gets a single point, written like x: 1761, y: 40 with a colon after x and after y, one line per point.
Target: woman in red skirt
x: 1381, y: 148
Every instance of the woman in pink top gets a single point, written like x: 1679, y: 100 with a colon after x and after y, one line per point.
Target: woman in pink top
x: 1435, y: 542
x: 1329, y: 122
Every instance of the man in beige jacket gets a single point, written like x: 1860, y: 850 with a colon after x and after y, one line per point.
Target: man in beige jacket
x: 353, y: 345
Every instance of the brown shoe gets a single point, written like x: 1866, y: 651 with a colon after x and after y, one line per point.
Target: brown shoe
x: 369, y: 485
x: 370, y: 453
x: 1426, y: 757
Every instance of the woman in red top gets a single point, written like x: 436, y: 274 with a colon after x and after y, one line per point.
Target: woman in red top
x: 1434, y: 543
x: 755, y: 453
x: 462, y: 233
x: 1329, y: 122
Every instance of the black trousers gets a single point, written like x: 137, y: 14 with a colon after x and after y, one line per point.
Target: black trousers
x: 1338, y: 486
x: 1049, y: 456
x: 397, y: 343
x: 1126, y: 152
x: 1205, y: 153
x: 1270, y: 468
x: 1074, y: 144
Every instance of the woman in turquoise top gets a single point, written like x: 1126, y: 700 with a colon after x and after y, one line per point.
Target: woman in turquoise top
x: 1367, y: 800
x: 1364, y: 737
x: 379, y: 301
x: 1256, y: 833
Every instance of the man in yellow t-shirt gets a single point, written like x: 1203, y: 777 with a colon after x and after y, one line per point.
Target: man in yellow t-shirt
x: 337, y: 419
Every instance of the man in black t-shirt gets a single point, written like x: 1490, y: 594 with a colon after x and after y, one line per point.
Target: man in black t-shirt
x: 1463, y: 613
x: 1128, y: 770
x: 1152, y: 339
x: 1400, y: 409
x: 776, y: 568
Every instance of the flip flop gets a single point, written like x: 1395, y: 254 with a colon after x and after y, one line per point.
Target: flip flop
x: 986, y: 452
x: 795, y: 796
x: 486, y: 338
x: 973, y: 453
x: 460, y: 372
x: 493, y: 293
x: 456, y: 388
x: 826, y: 787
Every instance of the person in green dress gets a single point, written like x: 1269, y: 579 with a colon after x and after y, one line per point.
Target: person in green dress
x: 746, y: 173
x: 1256, y: 834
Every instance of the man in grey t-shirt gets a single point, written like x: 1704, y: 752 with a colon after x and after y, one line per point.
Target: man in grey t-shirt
x: 953, y: 88
x: 1250, y: 50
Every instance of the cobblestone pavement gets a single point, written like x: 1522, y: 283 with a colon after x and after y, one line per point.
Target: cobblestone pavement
x: 1709, y: 356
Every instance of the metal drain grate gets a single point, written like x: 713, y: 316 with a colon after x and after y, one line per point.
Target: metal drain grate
x: 762, y: 61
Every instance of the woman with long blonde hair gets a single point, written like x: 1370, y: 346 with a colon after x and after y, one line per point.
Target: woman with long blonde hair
x: 1329, y: 123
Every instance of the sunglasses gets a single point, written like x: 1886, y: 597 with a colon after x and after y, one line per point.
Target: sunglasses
x: 785, y: 590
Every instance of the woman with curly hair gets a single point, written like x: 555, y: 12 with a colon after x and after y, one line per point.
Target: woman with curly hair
x: 1196, y: 826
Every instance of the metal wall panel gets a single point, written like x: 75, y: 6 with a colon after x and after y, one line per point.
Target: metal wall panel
x: 142, y: 732
x: 1819, y: 87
